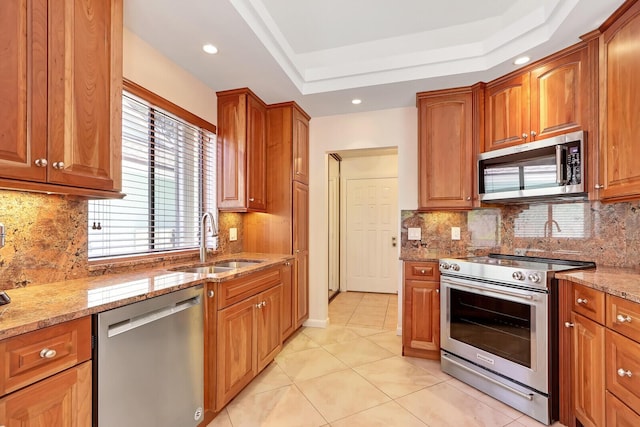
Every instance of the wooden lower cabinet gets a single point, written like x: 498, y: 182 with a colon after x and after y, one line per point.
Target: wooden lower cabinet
x: 588, y: 371
x: 421, y: 310
x: 63, y: 400
x: 249, y: 336
x: 619, y: 414
x: 288, y: 309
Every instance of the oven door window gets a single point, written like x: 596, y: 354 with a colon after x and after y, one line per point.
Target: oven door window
x: 495, y: 325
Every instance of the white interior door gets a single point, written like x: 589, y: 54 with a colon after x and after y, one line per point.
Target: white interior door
x: 371, y: 235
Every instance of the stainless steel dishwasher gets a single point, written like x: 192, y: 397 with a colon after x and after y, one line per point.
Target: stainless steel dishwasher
x: 150, y: 362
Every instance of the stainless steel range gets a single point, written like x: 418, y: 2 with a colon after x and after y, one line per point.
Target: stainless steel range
x: 499, y: 328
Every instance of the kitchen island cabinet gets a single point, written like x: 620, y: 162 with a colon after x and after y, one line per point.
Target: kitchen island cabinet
x: 62, y: 101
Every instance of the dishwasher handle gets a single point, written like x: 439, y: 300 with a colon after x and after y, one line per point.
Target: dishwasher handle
x: 152, y: 316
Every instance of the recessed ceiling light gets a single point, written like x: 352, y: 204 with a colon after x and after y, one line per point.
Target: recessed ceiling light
x: 356, y: 101
x: 522, y: 60
x: 210, y: 49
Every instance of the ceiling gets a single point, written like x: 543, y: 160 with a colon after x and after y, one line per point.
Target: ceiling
x: 324, y: 53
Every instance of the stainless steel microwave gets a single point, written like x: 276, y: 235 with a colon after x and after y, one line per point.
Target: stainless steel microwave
x: 545, y: 169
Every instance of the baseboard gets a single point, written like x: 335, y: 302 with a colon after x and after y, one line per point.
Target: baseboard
x: 316, y: 323
x: 399, y: 331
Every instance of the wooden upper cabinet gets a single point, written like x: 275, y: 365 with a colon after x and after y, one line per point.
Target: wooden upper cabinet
x: 507, y: 112
x: 62, y: 85
x: 445, y: 149
x: 542, y: 102
x: 620, y: 109
x: 300, y: 146
x: 241, y: 151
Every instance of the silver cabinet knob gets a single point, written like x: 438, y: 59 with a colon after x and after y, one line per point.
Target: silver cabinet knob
x: 210, y: 294
x: 47, y: 353
x: 533, y: 134
x: 437, y: 291
x: 468, y: 198
x: 525, y: 135
x: 264, y: 303
x: 621, y: 318
x: 622, y: 373
x: 259, y: 305
x: 297, y: 172
x: 41, y: 163
x: 599, y: 186
x: 58, y: 165
x: 568, y: 325
x: 251, y: 199
x: 581, y: 301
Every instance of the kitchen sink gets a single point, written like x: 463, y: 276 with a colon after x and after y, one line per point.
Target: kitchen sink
x: 236, y: 263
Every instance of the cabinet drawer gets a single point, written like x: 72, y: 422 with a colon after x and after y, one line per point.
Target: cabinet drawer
x: 236, y: 290
x: 421, y: 271
x: 619, y: 414
x: 588, y: 302
x: 622, y: 369
x: 36, y: 355
x: 623, y: 316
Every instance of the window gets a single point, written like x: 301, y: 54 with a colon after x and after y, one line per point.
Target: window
x: 168, y: 176
x: 566, y: 220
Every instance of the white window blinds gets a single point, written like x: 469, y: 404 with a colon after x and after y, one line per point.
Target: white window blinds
x: 167, y: 165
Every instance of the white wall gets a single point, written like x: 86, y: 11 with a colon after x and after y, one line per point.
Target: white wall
x: 147, y: 67
x: 377, y: 129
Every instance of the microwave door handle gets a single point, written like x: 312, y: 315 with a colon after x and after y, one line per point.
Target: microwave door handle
x: 561, y: 162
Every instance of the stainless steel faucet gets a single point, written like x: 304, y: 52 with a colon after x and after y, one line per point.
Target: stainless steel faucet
x: 203, y: 234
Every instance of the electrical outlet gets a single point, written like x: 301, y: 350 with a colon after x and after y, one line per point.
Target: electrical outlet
x: 455, y: 233
x: 233, y: 234
x: 414, y: 233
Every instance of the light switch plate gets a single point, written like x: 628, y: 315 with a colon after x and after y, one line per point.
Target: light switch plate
x: 455, y: 233
x: 414, y: 233
x: 233, y: 234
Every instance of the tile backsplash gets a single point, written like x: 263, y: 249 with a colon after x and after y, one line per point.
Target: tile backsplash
x: 608, y: 234
x: 46, y: 240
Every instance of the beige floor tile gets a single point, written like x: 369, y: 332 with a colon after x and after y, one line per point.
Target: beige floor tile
x: 339, y: 319
x: 271, y: 378
x: 307, y: 364
x: 395, y: 377
x: 444, y: 405
x: 530, y: 422
x: 385, y: 415
x: 433, y: 366
x: 515, y: 424
x: 348, y: 296
x: 388, y: 340
x: 375, y: 299
x: 363, y: 310
x: 366, y: 320
x: 364, y: 331
x: 327, y: 394
x: 222, y: 420
x: 331, y: 334
x: 298, y: 342
x: 282, y: 407
x: 485, y: 398
x: 358, y: 352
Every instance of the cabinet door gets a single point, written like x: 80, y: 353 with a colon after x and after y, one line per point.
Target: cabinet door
x: 300, y: 147
x: 23, y: 72
x: 85, y: 94
x: 619, y: 414
x: 421, y: 319
x: 210, y: 348
x: 588, y: 371
x: 558, y: 95
x: 507, y: 113
x: 269, y: 325
x: 445, y: 152
x: 620, y: 81
x: 256, y: 155
x: 232, y: 145
x: 236, y: 351
x: 301, y: 250
x: 63, y: 400
x: 288, y: 306
x: 622, y: 368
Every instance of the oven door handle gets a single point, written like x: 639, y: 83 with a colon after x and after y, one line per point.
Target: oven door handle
x: 497, y: 291
x: 491, y: 380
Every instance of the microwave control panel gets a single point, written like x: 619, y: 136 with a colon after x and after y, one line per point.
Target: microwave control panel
x: 573, y: 165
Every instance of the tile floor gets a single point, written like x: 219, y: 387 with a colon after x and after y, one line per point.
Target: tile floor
x: 352, y: 374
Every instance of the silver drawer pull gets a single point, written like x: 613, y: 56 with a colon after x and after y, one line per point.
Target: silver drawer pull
x: 622, y: 373
x: 621, y: 318
x: 47, y: 353
x: 568, y: 325
x: 581, y: 301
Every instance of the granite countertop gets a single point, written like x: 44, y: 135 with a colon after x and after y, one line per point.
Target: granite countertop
x: 621, y: 282
x: 39, y: 306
